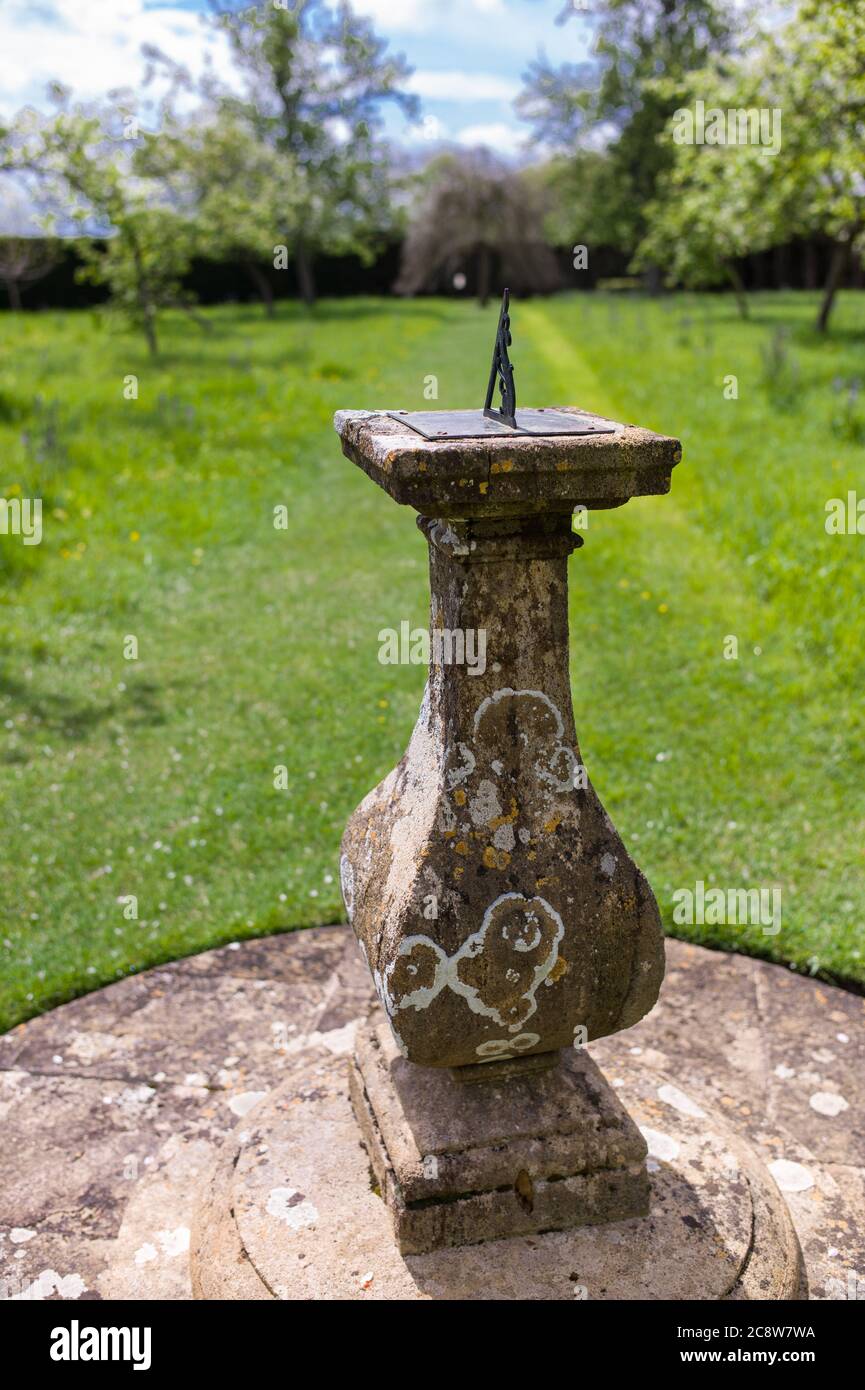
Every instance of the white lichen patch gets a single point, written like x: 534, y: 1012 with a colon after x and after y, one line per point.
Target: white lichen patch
x: 662, y: 1147
x: 671, y: 1095
x: 828, y: 1103
x: 173, y: 1243
x: 502, y: 1049
x: 242, y: 1104
x: 291, y: 1208
x: 791, y: 1177
x: 485, y: 805
x: 49, y: 1283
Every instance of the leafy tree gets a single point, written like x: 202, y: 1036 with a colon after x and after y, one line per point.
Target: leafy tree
x: 317, y: 75
x: 720, y: 202
x: 616, y: 97
x: 711, y: 211
x: 716, y: 202
x: 471, y: 209
x: 90, y: 169
x: 820, y: 59
x: 241, y: 192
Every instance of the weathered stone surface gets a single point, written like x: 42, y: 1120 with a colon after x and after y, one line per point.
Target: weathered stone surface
x: 302, y: 1207
x: 714, y: 1031
x: 497, y: 905
x: 507, y: 476
x: 531, y: 1153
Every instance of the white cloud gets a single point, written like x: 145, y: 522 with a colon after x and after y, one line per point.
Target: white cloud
x: 504, y: 139
x: 462, y: 86
x: 407, y: 15
x: 93, y: 46
x: 417, y: 16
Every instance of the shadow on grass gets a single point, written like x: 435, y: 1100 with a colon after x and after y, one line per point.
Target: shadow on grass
x: 75, y: 720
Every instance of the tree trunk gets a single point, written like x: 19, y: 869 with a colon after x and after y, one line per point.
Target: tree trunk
x: 738, y: 288
x: 263, y: 285
x: 305, y: 274
x: 149, y: 319
x: 811, y: 272
x: 654, y: 281
x: 837, y: 266
x: 484, y: 275
x: 13, y: 292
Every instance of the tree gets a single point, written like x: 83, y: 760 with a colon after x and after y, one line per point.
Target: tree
x: 711, y: 210
x: 241, y: 192
x: 317, y: 76
x: 91, y: 175
x: 25, y: 256
x: 717, y: 202
x: 821, y: 61
x: 615, y: 97
x: 472, y: 208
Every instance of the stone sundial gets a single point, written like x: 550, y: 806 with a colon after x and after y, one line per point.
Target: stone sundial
x: 501, y: 916
x: 469, y: 1146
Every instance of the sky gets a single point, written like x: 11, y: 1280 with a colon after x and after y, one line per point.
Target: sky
x: 468, y: 55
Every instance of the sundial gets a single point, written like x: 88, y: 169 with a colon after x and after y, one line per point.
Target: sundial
x: 480, y: 424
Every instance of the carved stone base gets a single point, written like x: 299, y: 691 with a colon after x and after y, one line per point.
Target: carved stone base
x: 292, y: 1211
x: 542, y: 1151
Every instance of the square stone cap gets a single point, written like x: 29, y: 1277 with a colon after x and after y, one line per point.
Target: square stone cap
x: 507, y: 476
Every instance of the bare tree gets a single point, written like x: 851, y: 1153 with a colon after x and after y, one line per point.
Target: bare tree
x: 25, y: 256
x: 23, y: 261
x: 473, y: 211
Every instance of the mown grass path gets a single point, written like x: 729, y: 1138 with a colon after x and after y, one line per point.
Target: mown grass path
x: 257, y: 647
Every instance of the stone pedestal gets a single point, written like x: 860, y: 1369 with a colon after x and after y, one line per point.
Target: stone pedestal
x: 500, y: 914
x: 499, y: 911
x: 517, y: 1154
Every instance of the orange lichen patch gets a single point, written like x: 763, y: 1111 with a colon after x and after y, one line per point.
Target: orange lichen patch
x: 506, y: 820
x: 502, y: 466
x: 531, y: 854
x: 449, y: 834
x: 459, y: 871
x: 496, y: 858
x: 560, y: 968
x: 482, y: 489
x: 460, y: 797
x: 551, y: 824
x: 462, y: 847
x: 546, y: 881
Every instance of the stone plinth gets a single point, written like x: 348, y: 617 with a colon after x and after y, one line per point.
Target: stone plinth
x: 500, y: 914
x: 457, y: 1165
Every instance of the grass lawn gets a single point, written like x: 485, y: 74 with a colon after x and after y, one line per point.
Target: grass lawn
x: 257, y: 647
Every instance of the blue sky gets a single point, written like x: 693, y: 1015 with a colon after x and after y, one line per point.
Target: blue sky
x: 468, y: 54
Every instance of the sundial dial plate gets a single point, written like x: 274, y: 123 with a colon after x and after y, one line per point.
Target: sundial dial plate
x: 474, y: 424
x: 503, y: 423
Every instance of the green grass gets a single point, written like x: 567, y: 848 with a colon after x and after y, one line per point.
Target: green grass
x: 257, y: 647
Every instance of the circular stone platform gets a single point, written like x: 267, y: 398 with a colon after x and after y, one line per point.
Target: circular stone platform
x: 115, y: 1108
x: 292, y: 1212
